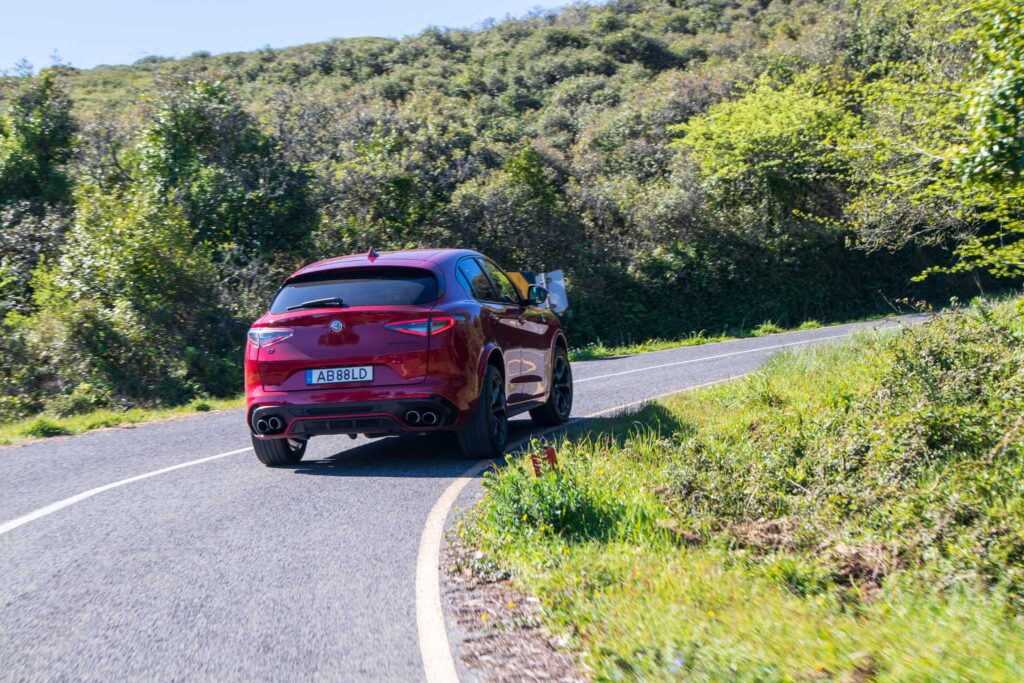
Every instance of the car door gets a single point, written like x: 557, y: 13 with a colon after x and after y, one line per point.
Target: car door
x: 523, y: 376
x: 536, y: 328
x: 498, y: 317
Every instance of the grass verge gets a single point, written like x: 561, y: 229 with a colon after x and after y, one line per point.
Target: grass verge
x: 44, y: 426
x: 600, y: 350
x: 852, y: 512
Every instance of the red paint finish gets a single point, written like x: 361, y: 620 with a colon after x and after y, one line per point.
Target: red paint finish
x: 428, y: 355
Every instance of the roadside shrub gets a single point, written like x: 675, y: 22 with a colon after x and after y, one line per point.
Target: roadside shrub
x: 918, y: 451
x: 83, y: 398
x: 43, y: 428
x: 766, y: 328
x: 119, y: 310
x: 24, y: 381
x: 561, y: 503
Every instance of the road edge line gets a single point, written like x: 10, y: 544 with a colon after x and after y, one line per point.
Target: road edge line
x: 432, y: 631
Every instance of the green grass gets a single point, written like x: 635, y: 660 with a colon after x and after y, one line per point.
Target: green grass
x: 850, y: 512
x: 766, y: 328
x: 44, y: 426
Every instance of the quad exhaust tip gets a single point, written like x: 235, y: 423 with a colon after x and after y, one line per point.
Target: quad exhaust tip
x: 428, y: 418
x: 269, y: 425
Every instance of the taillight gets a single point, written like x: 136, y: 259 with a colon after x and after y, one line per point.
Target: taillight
x: 265, y: 336
x: 422, y: 327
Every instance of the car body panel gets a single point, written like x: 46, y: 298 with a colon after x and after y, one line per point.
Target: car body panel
x: 363, y: 340
x: 443, y: 370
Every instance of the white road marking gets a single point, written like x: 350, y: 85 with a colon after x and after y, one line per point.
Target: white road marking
x: 435, y: 650
x: 438, y: 663
x: 698, y: 360
x: 67, y: 502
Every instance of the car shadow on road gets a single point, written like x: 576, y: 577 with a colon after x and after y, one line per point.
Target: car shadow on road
x: 425, y: 455
x: 437, y: 455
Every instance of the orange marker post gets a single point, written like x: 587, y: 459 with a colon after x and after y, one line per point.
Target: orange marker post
x: 535, y: 461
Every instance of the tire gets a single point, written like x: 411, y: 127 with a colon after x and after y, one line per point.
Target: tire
x: 559, y: 404
x: 279, y: 452
x: 486, y: 435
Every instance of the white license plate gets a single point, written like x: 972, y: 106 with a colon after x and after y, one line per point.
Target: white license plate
x: 359, y: 373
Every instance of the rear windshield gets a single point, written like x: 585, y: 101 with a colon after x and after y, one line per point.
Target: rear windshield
x: 373, y: 287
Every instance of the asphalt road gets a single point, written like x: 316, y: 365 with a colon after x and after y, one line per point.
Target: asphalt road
x: 227, y: 570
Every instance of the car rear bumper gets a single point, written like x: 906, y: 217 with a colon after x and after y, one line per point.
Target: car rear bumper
x: 385, y: 416
x: 360, y: 410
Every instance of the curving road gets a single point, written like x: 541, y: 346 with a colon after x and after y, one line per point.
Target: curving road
x: 124, y: 558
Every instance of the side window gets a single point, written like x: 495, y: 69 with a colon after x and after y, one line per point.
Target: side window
x: 476, y: 280
x: 507, y: 292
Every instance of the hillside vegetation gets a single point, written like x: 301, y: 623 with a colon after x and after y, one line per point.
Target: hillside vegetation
x: 850, y: 512
x: 692, y: 165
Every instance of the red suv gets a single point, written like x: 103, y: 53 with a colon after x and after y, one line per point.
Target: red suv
x: 403, y: 342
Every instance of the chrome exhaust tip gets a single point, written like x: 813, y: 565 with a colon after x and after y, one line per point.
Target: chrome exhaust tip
x: 429, y: 418
x: 275, y: 423
x: 412, y: 417
x: 262, y: 426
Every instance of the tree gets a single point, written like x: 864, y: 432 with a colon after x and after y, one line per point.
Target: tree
x: 993, y: 160
x: 941, y: 157
x: 202, y: 151
x: 780, y: 142
x: 132, y: 304
x: 36, y: 141
x: 516, y: 214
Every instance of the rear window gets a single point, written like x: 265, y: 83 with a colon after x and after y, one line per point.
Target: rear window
x: 372, y: 287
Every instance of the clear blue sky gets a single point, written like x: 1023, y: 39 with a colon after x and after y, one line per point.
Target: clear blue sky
x: 89, y: 32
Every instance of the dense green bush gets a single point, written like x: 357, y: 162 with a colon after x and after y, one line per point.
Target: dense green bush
x: 35, y: 142
x: 119, y: 309
x: 911, y: 443
x: 200, y: 148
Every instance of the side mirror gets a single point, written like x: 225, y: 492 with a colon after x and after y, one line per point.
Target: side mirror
x: 536, y: 295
